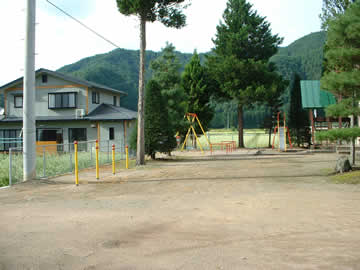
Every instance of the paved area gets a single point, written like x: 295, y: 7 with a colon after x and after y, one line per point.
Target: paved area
x: 246, y: 211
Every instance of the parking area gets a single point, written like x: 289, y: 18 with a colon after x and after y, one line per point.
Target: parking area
x: 249, y: 210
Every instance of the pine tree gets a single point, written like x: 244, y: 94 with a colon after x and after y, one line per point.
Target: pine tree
x: 166, y: 71
x: 243, y: 46
x: 298, y: 117
x: 198, y: 90
x: 169, y: 13
x: 332, y: 9
x: 342, y: 76
x: 158, y: 134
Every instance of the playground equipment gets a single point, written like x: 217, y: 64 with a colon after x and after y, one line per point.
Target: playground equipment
x: 281, y: 132
x: 191, y: 117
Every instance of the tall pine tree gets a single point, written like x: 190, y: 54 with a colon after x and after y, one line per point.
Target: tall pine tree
x: 166, y: 71
x: 243, y: 46
x: 169, y: 13
x: 198, y: 91
x: 158, y: 134
x: 298, y: 117
x: 342, y: 76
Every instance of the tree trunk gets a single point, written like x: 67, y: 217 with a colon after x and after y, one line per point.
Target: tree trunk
x: 270, y: 133
x: 140, y: 151
x: 241, y: 126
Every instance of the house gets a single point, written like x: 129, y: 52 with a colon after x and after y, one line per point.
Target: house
x: 67, y: 109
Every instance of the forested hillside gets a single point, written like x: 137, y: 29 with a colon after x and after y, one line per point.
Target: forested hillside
x: 119, y: 68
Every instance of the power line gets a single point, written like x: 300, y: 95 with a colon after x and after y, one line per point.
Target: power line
x: 84, y: 25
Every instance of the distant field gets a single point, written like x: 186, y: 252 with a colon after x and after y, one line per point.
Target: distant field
x: 253, y: 138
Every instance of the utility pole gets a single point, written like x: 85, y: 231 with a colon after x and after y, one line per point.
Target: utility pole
x: 29, y: 118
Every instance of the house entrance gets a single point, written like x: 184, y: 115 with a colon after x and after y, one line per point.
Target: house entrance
x: 78, y: 134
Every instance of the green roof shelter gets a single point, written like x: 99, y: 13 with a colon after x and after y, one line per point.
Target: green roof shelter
x: 316, y: 100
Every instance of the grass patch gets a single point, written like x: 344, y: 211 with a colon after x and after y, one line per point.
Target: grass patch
x: 352, y: 177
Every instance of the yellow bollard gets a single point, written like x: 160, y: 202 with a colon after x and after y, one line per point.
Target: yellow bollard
x: 127, y: 156
x: 97, y: 159
x: 76, y: 163
x: 113, y: 158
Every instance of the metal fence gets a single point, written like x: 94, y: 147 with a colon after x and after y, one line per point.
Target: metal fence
x: 57, y: 159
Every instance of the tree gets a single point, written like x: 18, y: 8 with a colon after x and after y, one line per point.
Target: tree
x: 166, y: 71
x: 198, y: 91
x: 342, y: 76
x: 332, y: 9
x: 243, y: 46
x: 169, y: 13
x: 273, y: 97
x: 158, y: 134
x: 298, y: 117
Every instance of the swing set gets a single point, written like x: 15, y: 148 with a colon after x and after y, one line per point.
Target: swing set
x: 191, y: 117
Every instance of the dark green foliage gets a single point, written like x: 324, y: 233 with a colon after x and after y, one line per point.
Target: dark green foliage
x: 168, y: 12
x: 332, y: 9
x: 342, y: 76
x: 298, y: 117
x: 198, y: 90
x: 166, y: 71
x: 243, y: 47
x: 158, y: 134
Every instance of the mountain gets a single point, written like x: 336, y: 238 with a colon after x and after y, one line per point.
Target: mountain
x: 119, y: 68
x: 304, y: 56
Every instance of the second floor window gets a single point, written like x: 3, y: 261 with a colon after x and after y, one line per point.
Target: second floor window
x: 18, y: 101
x: 114, y: 100
x: 62, y: 100
x: 95, y: 97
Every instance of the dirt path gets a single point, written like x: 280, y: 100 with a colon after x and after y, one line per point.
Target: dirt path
x: 244, y: 212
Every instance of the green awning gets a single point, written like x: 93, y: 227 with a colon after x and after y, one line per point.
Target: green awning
x: 313, y: 97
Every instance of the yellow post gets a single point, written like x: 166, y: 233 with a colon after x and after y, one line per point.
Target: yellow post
x: 113, y: 158
x: 202, y: 130
x: 76, y: 163
x: 278, y: 124
x: 97, y: 159
x: 127, y: 156
x: 187, y: 135
x: 285, y: 131
x: 197, y: 139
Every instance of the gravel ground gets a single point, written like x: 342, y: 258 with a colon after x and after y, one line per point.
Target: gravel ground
x: 247, y: 210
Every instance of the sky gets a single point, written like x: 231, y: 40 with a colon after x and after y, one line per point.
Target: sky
x: 61, y: 41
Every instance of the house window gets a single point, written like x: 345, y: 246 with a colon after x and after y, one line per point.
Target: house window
x: 44, y: 78
x: 10, y: 138
x: 18, y: 101
x: 114, y: 100
x: 62, y: 100
x: 95, y: 97
x: 111, y: 134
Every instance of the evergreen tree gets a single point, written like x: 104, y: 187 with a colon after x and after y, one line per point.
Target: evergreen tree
x: 166, y: 71
x: 158, y: 134
x: 342, y: 76
x: 169, y: 13
x: 198, y: 91
x: 332, y: 9
x: 243, y: 47
x: 298, y: 117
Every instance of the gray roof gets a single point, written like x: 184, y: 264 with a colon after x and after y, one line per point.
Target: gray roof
x: 110, y: 112
x: 104, y: 112
x: 67, y: 78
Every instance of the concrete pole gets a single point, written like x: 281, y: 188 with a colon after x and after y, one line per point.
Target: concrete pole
x: 29, y: 125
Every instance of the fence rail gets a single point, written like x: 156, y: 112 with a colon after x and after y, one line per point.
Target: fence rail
x: 58, y: 159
